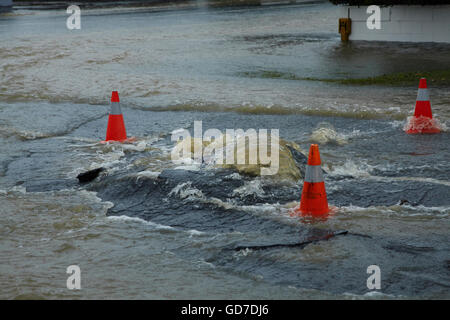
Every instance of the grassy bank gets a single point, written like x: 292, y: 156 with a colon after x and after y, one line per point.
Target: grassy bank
x: 438, y: 78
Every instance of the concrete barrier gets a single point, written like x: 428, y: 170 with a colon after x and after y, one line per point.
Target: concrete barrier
x: 402, y: 23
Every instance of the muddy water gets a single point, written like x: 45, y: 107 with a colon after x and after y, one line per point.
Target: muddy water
x: 147, y: 228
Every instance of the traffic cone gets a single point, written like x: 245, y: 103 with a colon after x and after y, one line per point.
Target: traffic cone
x: 116, y: 126
x: 314, y: 197
x: 422, y: 121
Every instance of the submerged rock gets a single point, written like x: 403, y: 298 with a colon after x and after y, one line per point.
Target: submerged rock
x: 291, y: 160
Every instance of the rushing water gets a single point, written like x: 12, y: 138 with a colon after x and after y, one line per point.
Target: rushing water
x: 146, y: 229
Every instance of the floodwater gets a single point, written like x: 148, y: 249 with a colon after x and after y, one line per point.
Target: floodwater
x: 148, y: 228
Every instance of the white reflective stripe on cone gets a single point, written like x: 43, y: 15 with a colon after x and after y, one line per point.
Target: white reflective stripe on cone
x: 313, y: 173
x: 422, y: 95
x: 115, y: 108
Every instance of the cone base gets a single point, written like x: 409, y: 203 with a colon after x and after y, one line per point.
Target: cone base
x: 314, y: 199
x: 128, y: 140
x: 314, y: 214
x: 308, y: 217
x: 422, y: 125
x: 424, y: 131
x: 116, y: 128
x: 423, y: 109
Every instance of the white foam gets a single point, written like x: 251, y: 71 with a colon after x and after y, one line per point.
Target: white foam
x: 108, y: 155
x: 363, y: 170
x: 185, y: 190
x: 32, y: 135
x: 194, y: 232
x: 223, y: 204
x: 396, y: 124
x: 19, y: 189
x: 92, y: 196
x: 92, y: 142
x: 244, y: 252
x: 148, y: 174
x: 188, y: 168
x: 417, y: 179
x: 178, y: 131
x: 208, y: 264
x: 252, y: 187
x: 371, y: 295
x: 401, y: 210
x: 124, y: 218
x: 138, y: 146
x: 234, y: 176
x: 350, y: 168
x: 263, y: 209
x: 441, y: 211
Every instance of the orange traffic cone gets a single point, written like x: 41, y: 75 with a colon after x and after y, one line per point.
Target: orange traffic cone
x: 422, y: 121
x: 116, y: 126
x: 314, y: 197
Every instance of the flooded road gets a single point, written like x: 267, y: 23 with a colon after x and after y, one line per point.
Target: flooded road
x: 148, y: 228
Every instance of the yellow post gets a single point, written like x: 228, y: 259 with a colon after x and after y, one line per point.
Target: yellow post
x: 345, y: 28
